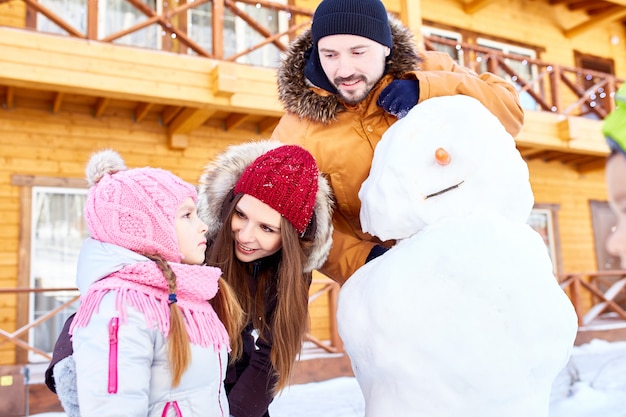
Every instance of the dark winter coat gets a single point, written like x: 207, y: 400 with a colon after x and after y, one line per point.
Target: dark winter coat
x: 248, y: 380
x: 62, y: 349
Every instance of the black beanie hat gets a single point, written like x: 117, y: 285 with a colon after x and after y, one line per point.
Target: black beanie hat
x: 367, y: 18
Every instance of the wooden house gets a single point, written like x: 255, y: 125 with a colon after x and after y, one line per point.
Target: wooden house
x: 170, y: 83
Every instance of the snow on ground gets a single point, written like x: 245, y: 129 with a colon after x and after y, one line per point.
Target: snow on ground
x: 592, y: 385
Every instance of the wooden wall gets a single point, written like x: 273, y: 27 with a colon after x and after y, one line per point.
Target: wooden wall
x: 41, y: 144
x: 554, y: 183
x: 36, y: 142
x: 534, y: 23
x: 13, y: 13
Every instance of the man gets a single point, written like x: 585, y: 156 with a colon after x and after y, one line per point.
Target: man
x: 344, y: 82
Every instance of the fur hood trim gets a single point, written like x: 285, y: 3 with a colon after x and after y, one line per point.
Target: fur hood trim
x: 296, y: 94
x: 220, y: 176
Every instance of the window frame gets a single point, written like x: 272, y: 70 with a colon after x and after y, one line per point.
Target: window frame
x: 26, y: 184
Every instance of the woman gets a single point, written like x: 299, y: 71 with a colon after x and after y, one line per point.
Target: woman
x: 268, y: 211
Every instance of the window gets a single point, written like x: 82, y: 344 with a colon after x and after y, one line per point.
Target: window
x: 117, y: 15
x: 113, y: 16
x: 455, y: 51
x: 57, y: 232
x: 74, y: 12
x: 543, y: 221
x: 238, y: 34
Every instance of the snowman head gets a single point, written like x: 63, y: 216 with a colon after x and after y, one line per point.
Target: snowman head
x: 448, y: 157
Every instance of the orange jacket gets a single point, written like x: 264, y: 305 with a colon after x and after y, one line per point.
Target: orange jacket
x: 342, y: 138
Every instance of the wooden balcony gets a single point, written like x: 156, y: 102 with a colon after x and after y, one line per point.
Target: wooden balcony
x: 599, y: 299
x: 93, y: 71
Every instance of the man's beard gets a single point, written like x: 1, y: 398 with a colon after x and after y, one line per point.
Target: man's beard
x: 356, y: 96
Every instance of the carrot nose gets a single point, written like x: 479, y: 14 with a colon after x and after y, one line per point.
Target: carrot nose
x: 442, y: 156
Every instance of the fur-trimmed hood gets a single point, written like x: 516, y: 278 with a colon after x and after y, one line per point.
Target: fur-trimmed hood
x: 295, y: 92
x: 220, y: 176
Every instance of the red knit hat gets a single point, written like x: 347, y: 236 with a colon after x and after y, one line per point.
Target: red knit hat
x: 284, y: 178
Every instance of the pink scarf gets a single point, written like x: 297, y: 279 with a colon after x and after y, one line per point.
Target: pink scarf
x: 143, y: 286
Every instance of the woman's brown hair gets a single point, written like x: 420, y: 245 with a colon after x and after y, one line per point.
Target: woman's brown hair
x: 291, y: 285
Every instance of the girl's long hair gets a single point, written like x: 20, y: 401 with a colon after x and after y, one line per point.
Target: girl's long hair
x: 285, y: 282
x: 178, y: 339
x: 225, y: 305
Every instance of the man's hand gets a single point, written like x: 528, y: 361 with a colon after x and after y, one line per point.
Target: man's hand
x: 399, y: 97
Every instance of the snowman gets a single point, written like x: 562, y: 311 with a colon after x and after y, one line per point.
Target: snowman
x: 463, y: 316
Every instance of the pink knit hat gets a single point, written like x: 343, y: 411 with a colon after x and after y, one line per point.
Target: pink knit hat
x: 284, y: 178
x: 134, y: 208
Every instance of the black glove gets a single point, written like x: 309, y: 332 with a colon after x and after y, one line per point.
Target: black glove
x: 399, y: 97
x: 376, y: 252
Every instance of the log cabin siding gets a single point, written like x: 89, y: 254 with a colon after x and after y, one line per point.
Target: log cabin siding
x: 36, y: 139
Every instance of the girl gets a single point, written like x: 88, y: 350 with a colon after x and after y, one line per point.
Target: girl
x: 268, y: 211
x: 146, y: 339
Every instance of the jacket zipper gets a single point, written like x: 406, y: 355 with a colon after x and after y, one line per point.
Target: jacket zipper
x: 113, y: 347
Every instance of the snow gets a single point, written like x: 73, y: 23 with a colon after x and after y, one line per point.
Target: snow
x: 464, y: 310
x: 599, y: 389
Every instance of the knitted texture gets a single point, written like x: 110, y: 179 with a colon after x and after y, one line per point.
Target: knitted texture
x: 143, y: 286
x: 134, y: 208
x: 286, y: 179
x: 367, y: 18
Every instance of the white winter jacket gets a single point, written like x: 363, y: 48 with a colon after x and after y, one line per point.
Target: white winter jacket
x: 123, y: 369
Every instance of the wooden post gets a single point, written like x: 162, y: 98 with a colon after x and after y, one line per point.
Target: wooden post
x: 333, y: 296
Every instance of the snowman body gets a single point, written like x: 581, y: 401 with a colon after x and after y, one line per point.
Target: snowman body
x: 463, y: 316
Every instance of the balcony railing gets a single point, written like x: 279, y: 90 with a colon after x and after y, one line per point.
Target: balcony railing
x: 596, y: 297
x: 18, y: 337
x: 198, y: 27
x: 542, y: 86
x: 237, y: 30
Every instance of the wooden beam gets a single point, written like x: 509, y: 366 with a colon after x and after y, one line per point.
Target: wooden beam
x: 267, y: 125
x: 168, y: 114
x: 141, y: 111
x: 598, y: 21
x: 56, y: 103
x: 9, y: 99
x: 76, y: 67
x: 189, y: 120
x: 411, y: 16
x: 596, y: 165
x: 179, y: 141
x: 218, y: 28
x: 234, y: 120
x: 476, y: 5
x: 101, y: 106
x: 20, y: 180
x: 531, y: 152
x: 223, y: 79
x: 92, y: 19
x: 24, y: 263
